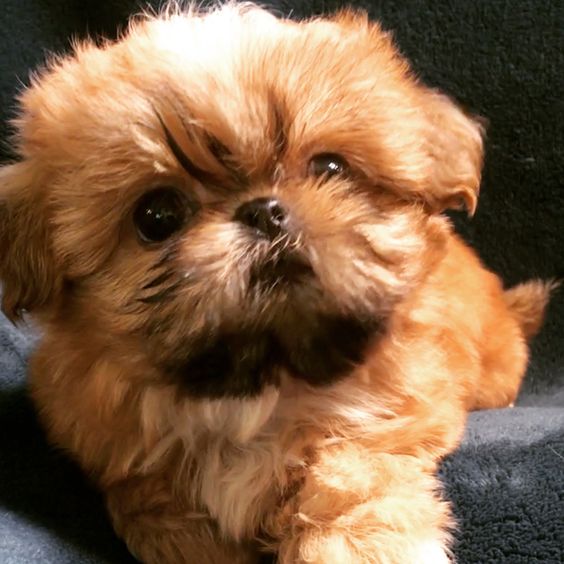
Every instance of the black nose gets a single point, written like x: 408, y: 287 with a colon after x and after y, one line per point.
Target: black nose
x: 266, y: 215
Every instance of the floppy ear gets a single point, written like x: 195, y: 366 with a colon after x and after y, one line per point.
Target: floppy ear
x: 27, y: 270
x: 455, y: 146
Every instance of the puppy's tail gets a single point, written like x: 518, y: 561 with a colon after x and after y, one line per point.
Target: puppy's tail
x: 528, y: 303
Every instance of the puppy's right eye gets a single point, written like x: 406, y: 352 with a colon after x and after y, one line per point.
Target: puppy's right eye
x: 160, y: 213
x: 328, y: 164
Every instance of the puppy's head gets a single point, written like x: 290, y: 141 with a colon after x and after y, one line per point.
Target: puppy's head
x: 222, y: 196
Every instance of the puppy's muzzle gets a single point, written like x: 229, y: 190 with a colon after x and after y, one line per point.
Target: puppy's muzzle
x: 283, y: 260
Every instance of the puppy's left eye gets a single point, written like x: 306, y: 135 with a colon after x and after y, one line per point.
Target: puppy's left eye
x: 329, y: 164
x: 160, y: 213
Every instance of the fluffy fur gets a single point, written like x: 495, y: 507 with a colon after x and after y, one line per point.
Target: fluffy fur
x: 329, y: 454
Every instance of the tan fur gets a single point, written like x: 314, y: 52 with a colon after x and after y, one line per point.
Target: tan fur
x: 528, y: 301
x: 333, y: 474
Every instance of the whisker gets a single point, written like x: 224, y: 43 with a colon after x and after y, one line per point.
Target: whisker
x: 278, y: 246
x: 168, y: 254
x: 166, y: 275
x: 163, y: 295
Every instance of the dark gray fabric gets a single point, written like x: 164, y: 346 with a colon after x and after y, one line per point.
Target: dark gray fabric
x: 507, y: 485
x: 48, y: 513
x: 504, y: 60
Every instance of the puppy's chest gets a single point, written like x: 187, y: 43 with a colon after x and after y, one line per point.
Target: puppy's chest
x: 248, y: 458
x: 240, y: 485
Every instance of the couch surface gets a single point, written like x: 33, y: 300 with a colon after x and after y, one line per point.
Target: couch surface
x: 503, y: 59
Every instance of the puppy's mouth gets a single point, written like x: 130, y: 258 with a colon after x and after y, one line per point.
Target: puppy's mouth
x: 281, y: 268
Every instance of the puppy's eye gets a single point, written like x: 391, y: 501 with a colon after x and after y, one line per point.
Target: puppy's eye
x: 329, y: 164
x: 160, y: 213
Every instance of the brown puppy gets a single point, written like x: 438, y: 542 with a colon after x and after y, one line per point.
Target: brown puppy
x: 259, y: 330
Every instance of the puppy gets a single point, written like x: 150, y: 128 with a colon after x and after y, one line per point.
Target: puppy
x: 259, y: 332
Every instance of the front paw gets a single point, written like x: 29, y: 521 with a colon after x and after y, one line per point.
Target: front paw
x: 431, y: 552
x: 342, y: 548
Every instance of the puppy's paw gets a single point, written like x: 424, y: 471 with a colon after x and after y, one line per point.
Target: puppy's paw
x: 339, y: 548
x: 431, y: 552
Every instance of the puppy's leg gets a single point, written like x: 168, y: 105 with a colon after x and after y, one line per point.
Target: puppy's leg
x: 504, y: 362
x: 359, y: 506
x: 159, y: 529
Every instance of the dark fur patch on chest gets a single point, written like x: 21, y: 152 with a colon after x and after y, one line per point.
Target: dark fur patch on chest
x: 242, y: 364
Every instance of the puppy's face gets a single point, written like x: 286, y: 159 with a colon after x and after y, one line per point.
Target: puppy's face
x: 219, y: 198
